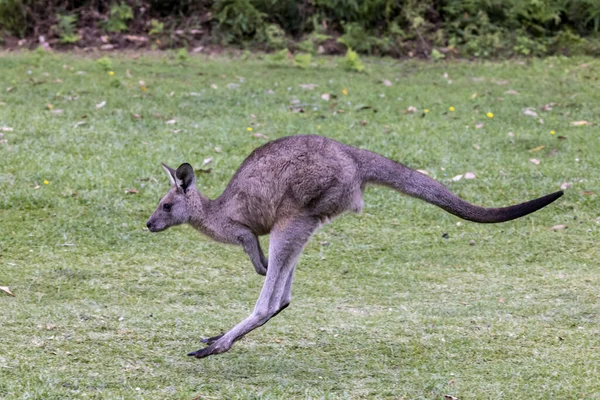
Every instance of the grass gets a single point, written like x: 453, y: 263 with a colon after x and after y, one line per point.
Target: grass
x: 384, y: 306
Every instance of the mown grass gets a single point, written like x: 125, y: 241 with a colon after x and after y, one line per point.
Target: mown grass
x: 384, y: 306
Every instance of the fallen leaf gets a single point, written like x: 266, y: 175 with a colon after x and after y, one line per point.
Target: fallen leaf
x: 513, y: 92
x: 217, y: 149
x: 470, y: 175
x: 587, y: 193
x: 252, y: 116
x: 474, y: 95
x: 207, y: 160
x: 558, y: 227
x: 308, y: 86
x: 132, y: 191
x: 501, y: 300
x: 387, y: 82
x: 502, y: 82
x: 548, y: 107
x: 79, y: 124
x: 535, y: 161
x: 57, y: 111
x: 450, y: 397
x: 138, y: 39
x: 9, y: 89
x: 536, y: 149
x: 580, y: 123
x: 269, y: 91
x: 101, y: 104
x: 479, y: 125
x: 530, y: 112
x: 562, y: 138
x: 3, y: 141
x: 107, y: 46
x: 50, y: 106
x: 566, y: 185
x: 6, y: 129
x: 511, y: 134
x: 326, y: 96
x: 363, y: 122
x: 171, y: 122
x: 259, y: 135
x: 232, y: 85
x: 136, y: 116
x: 410, y: 110
x: 213, y: 86
x: 457, y: 178
x: 476, y: 146
x: 6, y: 290
x: 422, y: 171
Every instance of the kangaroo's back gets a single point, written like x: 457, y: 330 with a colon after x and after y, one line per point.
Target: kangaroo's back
x: 303, y: 174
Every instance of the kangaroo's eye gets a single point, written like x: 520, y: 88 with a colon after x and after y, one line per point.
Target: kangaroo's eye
x: 167, y: 207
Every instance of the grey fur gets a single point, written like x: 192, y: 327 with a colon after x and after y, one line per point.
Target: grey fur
x: 288, y: 188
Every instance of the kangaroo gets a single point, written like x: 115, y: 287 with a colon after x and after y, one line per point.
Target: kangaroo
x: 288, y: 188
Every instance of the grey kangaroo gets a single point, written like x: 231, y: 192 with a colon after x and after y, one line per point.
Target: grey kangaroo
x: 288, y: 188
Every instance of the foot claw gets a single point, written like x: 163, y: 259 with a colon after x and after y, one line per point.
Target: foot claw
x: 211, y: 340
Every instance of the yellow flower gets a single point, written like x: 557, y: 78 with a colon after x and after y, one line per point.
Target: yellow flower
x: 46, y: 182
x: 426, y: 111
x: 552, y: 132
x: 249, y: 129
x: 144, y: 89
x: 490, y: 115
x: 345, y: 92
x: 451, y: 108
x: 111, y: 73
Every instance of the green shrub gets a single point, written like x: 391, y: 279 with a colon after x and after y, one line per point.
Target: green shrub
x: 105, y: 63
x: 13, y: 17
x: 119, y: 15
x: 352, y: 62
x: 303, y: 60
x: 239, y: 17
x: 66, y: 28
x: 272, y: 36
x: 156, y: 27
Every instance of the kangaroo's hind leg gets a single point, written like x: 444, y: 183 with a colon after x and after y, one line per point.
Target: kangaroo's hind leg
x: 287, y: 241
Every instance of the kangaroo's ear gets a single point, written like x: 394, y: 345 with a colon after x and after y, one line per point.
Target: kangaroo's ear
x: 171, y: 172
x: 185, y: 176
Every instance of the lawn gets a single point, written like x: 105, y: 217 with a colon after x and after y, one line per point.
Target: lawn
x: 403, y: 301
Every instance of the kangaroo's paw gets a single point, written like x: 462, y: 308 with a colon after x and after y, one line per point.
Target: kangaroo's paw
x: 212, y: 339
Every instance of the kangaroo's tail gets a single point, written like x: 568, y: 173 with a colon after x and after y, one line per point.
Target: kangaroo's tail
x: 383, y: 171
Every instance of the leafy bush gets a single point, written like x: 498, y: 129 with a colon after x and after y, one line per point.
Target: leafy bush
x: 352, y: 62
x: 119, y: 15
x: 13, y: 17
x: 473, y: 28
x: 66, y: 28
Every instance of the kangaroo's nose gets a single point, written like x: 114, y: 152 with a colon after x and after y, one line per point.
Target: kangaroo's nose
x: 149, y: 225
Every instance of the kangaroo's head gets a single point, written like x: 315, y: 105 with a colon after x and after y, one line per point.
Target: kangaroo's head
x: 180, y: 204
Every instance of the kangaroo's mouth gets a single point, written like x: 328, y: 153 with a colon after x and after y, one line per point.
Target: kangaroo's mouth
x: 153, y: 227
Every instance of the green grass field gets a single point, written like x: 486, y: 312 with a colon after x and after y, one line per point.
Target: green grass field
x: 384, y: 306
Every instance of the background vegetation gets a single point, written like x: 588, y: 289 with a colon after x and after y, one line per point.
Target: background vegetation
x: 403, y: 301
x: 429, y: 28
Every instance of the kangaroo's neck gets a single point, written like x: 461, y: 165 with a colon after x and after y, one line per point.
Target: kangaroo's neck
x: 208, y: 217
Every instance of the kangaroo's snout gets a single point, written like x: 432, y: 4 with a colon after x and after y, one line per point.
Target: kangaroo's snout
x: 149, y: 225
